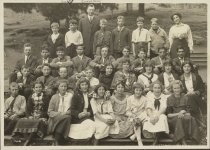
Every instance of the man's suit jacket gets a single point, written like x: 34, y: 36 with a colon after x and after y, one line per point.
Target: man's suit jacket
x: 98, y: 60
x: 178, y: 66
x: 29, y: 81
x: 50, y: 81
x: 156, y: 60
x: 80, y: 65
x: 88, y: 30
x: 120, y: 39
x: 52, y: 46
x: 31, y: 62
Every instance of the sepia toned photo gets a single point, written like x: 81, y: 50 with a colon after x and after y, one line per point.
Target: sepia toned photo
x: 98, y: 74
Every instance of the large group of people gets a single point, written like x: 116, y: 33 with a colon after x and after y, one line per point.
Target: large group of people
x: 95, y: 83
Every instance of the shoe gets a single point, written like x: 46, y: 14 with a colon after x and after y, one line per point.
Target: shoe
x: 184, y: 142
x: 95, y: 142
x: 133, y: 137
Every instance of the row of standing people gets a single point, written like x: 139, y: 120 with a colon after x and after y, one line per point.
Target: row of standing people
x: 93, y: 34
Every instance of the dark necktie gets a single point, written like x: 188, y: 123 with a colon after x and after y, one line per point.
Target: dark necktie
x: 157, y: 103
x: 11, y: 105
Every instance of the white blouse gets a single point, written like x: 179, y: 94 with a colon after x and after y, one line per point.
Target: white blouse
x: 65, y: 102
x: 189, y: 83
x: 168, y: 79
x: 151, y: 99
x: 86, y: 100
x: 181, y: 31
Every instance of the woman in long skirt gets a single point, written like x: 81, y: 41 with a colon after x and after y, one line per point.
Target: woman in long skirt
x: 156, y: 106
x: 35, y: 123
x: 182, y: 124
x: 119, y: 104
x: 60, y: 114
x: 180, y: 35
x: 81, y: 112
x: 105, y: 121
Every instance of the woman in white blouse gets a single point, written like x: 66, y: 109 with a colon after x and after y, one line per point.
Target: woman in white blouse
x: 180, y: 34
x: 155, y: 109
x: 193, y: 87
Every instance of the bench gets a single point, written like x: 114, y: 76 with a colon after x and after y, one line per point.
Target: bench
x: 49, y: 141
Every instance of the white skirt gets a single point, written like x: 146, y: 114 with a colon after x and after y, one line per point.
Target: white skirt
x: 103, y: 130
x: 160, y: 126
x: 84, y: 130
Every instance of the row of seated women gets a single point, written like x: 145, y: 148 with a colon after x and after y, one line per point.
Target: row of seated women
x: 141, y: 111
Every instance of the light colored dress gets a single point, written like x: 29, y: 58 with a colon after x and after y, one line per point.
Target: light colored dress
x: 83, y: 130
x: 136, y: 108
x: 104, y: 108
x: 162, y: 124
x: 125, y: 126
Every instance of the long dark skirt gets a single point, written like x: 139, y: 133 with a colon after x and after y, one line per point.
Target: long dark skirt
x: 9, y: 125
x: 27, y: 126
x: 174, y: 46
x: 195, y: 103
x: 184, y: 128
x: 59, y: 125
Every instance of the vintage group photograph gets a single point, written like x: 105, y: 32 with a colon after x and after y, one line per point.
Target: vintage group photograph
x: 105, y: 74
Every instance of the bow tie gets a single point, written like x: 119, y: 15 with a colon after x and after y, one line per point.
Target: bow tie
x: 157, y: 103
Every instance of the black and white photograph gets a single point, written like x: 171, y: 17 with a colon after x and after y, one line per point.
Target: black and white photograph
x: 86, y: 74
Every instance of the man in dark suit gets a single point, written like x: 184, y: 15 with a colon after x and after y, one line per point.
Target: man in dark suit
x: 179, y: 61
x: 88, y: 26
x: 28, y: 60
x: 80, y: 62
x: 45, y: 59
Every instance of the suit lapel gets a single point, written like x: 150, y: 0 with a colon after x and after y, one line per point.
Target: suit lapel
x: 194, y: 81
x: 50, y: 39
x: 59, y: 37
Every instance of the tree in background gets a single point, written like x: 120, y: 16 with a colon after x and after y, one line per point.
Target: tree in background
x: 57, y: 11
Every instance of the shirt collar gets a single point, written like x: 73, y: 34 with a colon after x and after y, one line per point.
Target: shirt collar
x: 63, y: 95
x: 190, y: 78
x: 80, y: 56
x: 158, y: 30
x: 178, y: 25
x: 120, y: 28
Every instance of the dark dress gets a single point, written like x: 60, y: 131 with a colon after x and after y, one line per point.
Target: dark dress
x: 37, y: 109
x: 77, y: 107
x: 185, y: 127
x: 194, y: 99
